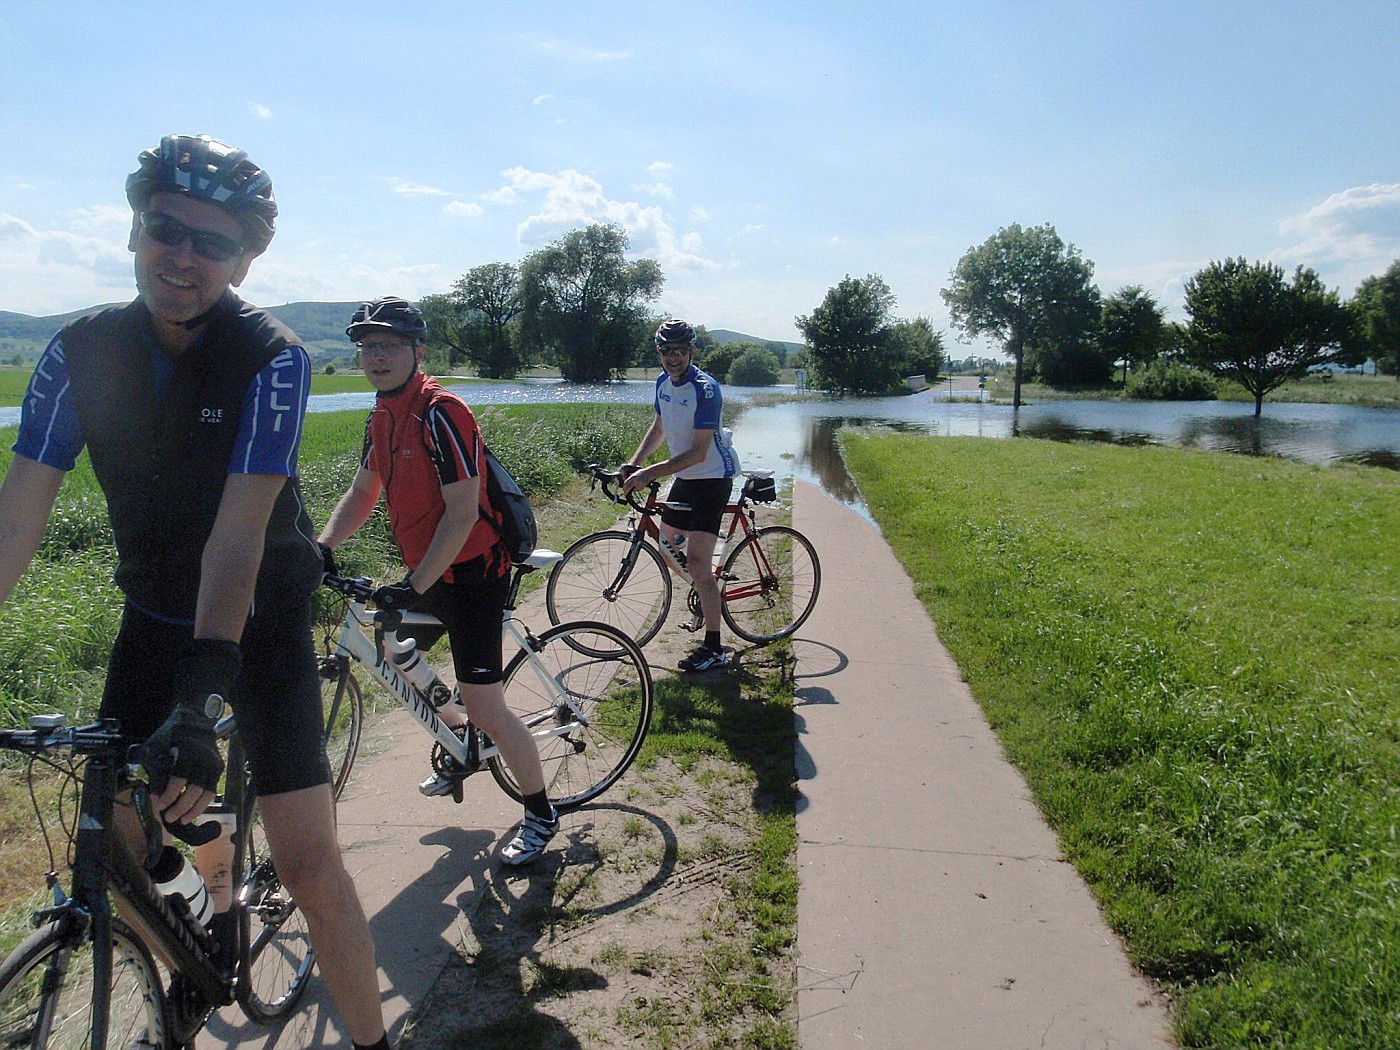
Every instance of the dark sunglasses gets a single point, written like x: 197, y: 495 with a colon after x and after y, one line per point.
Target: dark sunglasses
x: 170, y: 231
x: 673, y: 350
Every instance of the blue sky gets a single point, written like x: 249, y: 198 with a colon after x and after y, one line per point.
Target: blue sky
x: 759, y: 151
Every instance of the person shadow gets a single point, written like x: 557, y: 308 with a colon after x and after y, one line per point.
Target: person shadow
x: 488, y: 994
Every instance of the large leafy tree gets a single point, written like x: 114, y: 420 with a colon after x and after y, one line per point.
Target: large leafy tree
x: 447, y: 330
x: 1131, y: 327
x: 920, y: 348
x: 1250, y: 325
x: 585, y: 304
x: 1028, y: 291
x: 1376, y: 307
x: 490, y: 296
x: 849, y: 338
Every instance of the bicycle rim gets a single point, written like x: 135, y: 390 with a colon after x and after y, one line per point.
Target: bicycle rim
x: 578, y: 586
x: 605, y: 700
x: 342, y: 713
x: 770, y: 584
x: 136, y: 1017
x: 274, y: 930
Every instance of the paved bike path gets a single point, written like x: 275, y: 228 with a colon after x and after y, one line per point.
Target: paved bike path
x: 936, y: 910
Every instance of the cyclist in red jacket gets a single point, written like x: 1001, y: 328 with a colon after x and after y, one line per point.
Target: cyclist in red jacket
x: 423, y: 451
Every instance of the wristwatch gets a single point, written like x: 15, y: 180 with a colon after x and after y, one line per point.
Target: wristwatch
x: 213, y: 705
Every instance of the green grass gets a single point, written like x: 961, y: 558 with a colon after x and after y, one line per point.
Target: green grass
x: 1195, y: 661
x: 1340, y: 389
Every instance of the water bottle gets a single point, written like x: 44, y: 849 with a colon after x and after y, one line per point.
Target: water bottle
x: 214, y: 859
x: 675, y: 547
x: 411, y: 664
x: 175, y: 876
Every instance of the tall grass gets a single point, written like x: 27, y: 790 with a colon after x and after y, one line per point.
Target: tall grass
x: 61, y: 620
x: 1195, y: 660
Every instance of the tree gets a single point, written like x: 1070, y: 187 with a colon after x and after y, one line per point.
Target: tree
x: 849, y: 344
x: 1027, y: 290
x: 1250, y: 325
x: 490, y: 296
x: 447, y: 330
x: 584, y: 304
x: 754, y: 367
x: 920, y: 348
x: 1131, y: 327
x: 1376, y: 308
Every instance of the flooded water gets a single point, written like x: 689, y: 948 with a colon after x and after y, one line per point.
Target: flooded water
x: 798, y: 438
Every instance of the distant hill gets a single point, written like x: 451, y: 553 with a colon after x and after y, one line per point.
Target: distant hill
x: 723, y: 336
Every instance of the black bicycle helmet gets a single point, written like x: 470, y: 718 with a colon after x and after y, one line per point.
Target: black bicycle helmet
x: 675, y: 331
x: 391, y: 312
x: 209, y: 171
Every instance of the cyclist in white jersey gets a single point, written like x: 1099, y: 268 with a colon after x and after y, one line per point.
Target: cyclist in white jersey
x: 689, y: 417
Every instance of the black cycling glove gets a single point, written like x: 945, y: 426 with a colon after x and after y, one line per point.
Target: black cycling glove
x: 184, y: 746
x: 328, y: 566
x: 397, y: 597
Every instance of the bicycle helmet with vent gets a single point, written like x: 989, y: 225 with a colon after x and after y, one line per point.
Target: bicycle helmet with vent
x: 391, y: 312
x: 210, y: 171
x: 675, y: 331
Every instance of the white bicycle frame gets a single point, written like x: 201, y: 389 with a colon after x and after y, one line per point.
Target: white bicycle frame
x: 355, y: 642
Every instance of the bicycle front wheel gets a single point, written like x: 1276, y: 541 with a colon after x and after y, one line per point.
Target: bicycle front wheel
x: 342, y: 714
x: 588, y: 711
x: 46, y: 993
x: 277, y: 946
x: 595, y: 582
x: 770, y: 583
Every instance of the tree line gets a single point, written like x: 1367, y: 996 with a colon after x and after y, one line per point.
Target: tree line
x: 578, y: 305
x: 1033, y: 294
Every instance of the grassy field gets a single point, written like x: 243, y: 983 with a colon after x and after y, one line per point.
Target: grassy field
x: 1195, y: 661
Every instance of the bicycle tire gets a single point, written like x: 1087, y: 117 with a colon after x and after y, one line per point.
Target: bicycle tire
x: 578, y: 584
x: 31, y: 993
x: 277, y: 943
x: 770, y: 583
x: 342, y: 716
x: 615, y: 693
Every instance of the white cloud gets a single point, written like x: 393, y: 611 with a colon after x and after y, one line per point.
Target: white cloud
x: 414, y: 189
x: 503, y: 195
x: 1349, y: 236
x: 657, y: 189
x: 660, y: 168
x: 466, y: 208
x: 753, y: 227
x: 570, y: 200
x: 260, y: 111
x: 46, y: 271
x: 581, y: 52
x: 699, y: 214
x: 540, y: 100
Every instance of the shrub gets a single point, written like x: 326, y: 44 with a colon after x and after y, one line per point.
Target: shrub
x: 1170, y: 381
x: 757, y: 367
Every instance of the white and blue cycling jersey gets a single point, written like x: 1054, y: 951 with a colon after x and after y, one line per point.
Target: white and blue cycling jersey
x: 696, y: 404
x: 269, y: 428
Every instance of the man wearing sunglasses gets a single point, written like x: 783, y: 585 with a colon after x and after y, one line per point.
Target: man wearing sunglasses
x: 689, y: 417
x: 190, y: 404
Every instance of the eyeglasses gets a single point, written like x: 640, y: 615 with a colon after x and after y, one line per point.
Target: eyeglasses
x: 382, y: 349
x: 171, y: 232
x: 674, y: 351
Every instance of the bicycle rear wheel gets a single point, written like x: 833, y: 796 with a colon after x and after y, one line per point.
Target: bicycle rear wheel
x: 278, y: 956
x: 770, y: 583
x: 588, y: 711
x: 592, y: 582
x: 342, y: 714
x: 46, y: 983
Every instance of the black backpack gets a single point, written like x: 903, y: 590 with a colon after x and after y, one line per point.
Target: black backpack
x: 517, y: 525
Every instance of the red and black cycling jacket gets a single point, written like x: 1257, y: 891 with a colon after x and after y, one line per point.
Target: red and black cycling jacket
x: 418, y: 440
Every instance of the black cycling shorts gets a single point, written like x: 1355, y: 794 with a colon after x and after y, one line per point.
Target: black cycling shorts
x: 276, y: 700
x: 470, y: 611
x: 707, y: 498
